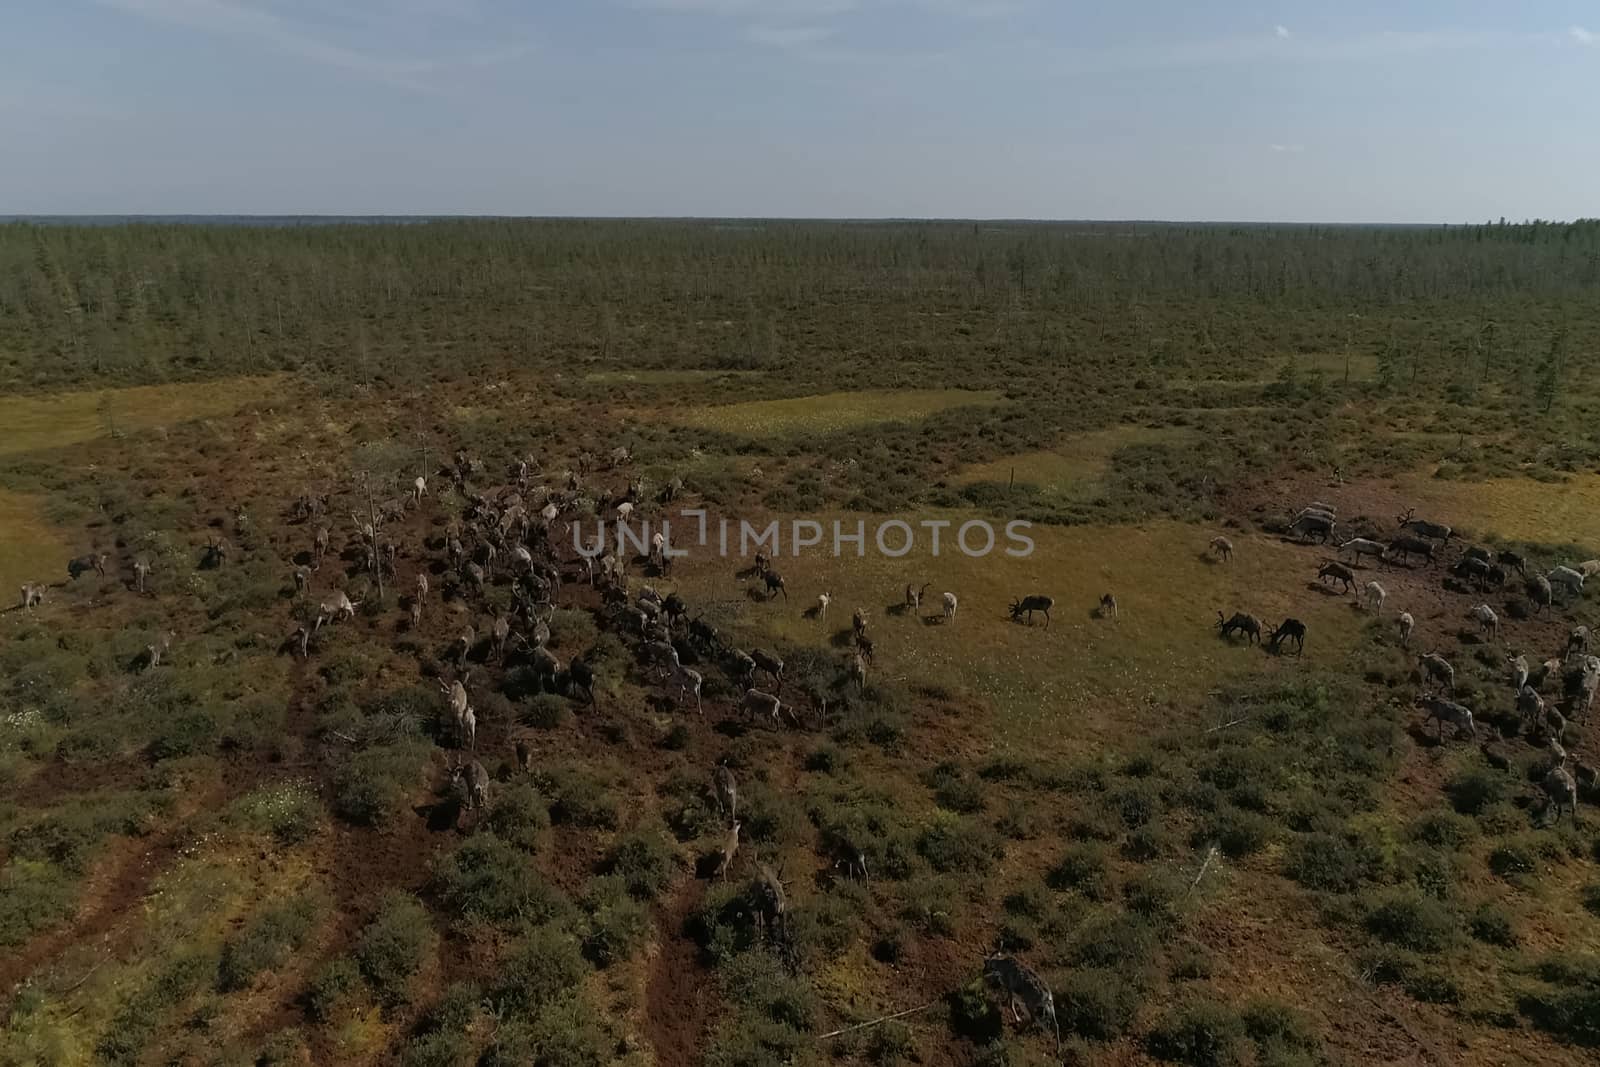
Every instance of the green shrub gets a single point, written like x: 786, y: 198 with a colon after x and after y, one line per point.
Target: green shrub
x: 1190, y: 963
x: 1513, y: 858
x: 1156, y: 895
x: 1082, y: 868
x: 565, y: 1033
x: 1490, y: 924
x: 1332, y: 864
x: 266, y: 942
x: 33, y: 895
x: 1236, y: 832
x: 394, y: 946
x: 491, y: 881
x: 519, y: 816
x: 1412, y: 921
x: 1278, y: 1028
x: 953, y: 790
x: 545, y: 966
x: 1201, y: 1034
x: 437, y: 1049
x: 579, y: 799
x: 1443, y: 829
x: 973, y: 1014
x: 891, y: 1043
x: 618, y: 924
x: 960, y: 845
x: 331, y: 988
x: 1097, y: 1003
x: 644, y: 861
x: 1135, y: 803
x: 128, y: 1036
x: 375, y: 786
x: 1591, y: 897
x: 1474, y: 790
x: 1566, y: 1002
x: 1432, y: 986
x: 289, y: 811
x: 1122, y: 940
x: 546, y: 711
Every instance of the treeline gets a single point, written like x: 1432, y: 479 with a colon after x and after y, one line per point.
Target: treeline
x: 151, y: 302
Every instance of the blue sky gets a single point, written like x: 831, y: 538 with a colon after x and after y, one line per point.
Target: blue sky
x: 1384, y: 112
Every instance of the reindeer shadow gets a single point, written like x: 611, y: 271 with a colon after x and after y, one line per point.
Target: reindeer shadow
x: 897, y: 610
x: 935, y: 619
x: 1208, y: 559
x: 756, y: 594
x: 1326, y: 590
x: 440, y: 817
x: 303, y: 558
x: 843, y: 638
x: 812, y: 612
x: 747, y: 573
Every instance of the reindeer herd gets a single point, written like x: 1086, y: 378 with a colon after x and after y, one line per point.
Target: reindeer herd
x: 497, y: 557
x: 1574, y: 672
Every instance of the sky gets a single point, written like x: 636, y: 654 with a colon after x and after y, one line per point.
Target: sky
x: 1400, y: 111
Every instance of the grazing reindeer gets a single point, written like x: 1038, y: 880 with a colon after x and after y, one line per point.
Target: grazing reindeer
x: 1030, y: 604
x: 689, y: 681
x: 1513, y: 562
x: 1313, y: 525
x: 774, y: 584
x: 726, y: 790
x: 320, y: 544
x: 914, y: 597
x: 499, y: 635
x: 1488, y: 621
x: 763, y: 564
x: 469, y: 729
x: 1108, y: 607
x: 1568, y: 579
x: 1407, y: 624
x: 1436, y: 669
x: 302, y: 580
x: 1244, y: 623
x: 141, y: 571
x: 32, y: 594
x: 336, y: 607
x: 1475, y: 571
x: 301, y: 640
x: 856, y: 670
x: 772, y: 903
x: 1361, y: 546
x: 153, y: 653
x: 77, y: 568
x: 1375, y: 596
x: 1222, y: 547
x: 463, y: 645
x: 1530, y: 706
x: 1408, y: 521
x: 1339, y: 573
x: 1540, y: 593
x: 524, y: 755
x: 1026, y: 992
x: 770, y: 663
x: 1519, y: 672
x: 823, y: 600
x: 844, y: 853
x: 1560, y: 788
x: 730, y: 848
x: 858, y: 622
x: 419, y: 489
x: 456, y: 697
x: 757, y: 703
x: 1289, y: 630
x: 1457, y: 715
x: 950, y: 603
x: 1407, y: 546
x: 472, y: 782
x: 1577, y: 642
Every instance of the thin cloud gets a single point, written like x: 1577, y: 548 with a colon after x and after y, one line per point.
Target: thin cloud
x: 1290, y: 149
x: 1583, y: 36
x: 1282, y: 32
x: 279, y: 34
x: 788, y: 36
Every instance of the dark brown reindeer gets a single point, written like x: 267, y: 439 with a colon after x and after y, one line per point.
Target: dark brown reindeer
x: 1244, y: 623
x: 1025, y: 607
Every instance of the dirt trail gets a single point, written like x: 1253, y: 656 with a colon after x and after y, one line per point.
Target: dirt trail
x: 680, y: 999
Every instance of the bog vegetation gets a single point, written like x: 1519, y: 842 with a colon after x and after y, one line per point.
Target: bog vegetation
x: 245, y: 821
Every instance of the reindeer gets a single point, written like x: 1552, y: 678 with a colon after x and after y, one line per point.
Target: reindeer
x: 914, y: 597
x: 141, y: 571
x: 335, y: 607
x: 1027, y: 605
x: 774, y: 585
x: 153, y: 653
x: 1407, y: 546
x: 844, y: 853
x: 730, y: 848
x: 1471, y: 570
x: 96, y: 562
x: 1409, y: 521
x: 1313, y: 525
x: 1540, y: 593
x: 1108, y: 607
x: 1222, y: 547
x: 1406, y: 624
x: 32, y: 594
x: 455, y: 695
x: 302, y: 580
x: 950, y: 604
x: 1339, y: 573
x: 1362, y: 546
x: 1559, y: 786
x: 772, y: 902
x: 689, y: 681
x: 1244, y: 623
x: 1436, y: 669
x: 1519, y: 672
x: 1289, y: 630
x: 1488, y: 621
x: 1568, y: 579
x: 823, y: 600
x: 856, y: 670
x: 472, y: 783
x: 756, y: 703
x: 1375, y: 596
x: 1577, y: 642
x: 1457, y: 715
x: 770, y: 663
x: 726, y: 790
x: 858, y: 623
x: 1027, y: 994
x: 1513, y: 562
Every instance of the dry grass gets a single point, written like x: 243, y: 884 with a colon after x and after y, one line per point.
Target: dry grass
x: 1518, y: 509
x: 666, y: 377
x: 830, y: 411
x: 36, y: 423
x: 1085, y: 678
x: 1073, y: 468
x: 30, y: 551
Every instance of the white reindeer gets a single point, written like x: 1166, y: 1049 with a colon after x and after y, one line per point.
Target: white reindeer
x: 950, y: 607
x: 1407, y: 624
x: 1375, y: 595
x: 823, y: 600
x: 1487, y: 620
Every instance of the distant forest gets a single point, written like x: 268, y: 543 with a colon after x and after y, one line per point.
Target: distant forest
x: 84, y: 305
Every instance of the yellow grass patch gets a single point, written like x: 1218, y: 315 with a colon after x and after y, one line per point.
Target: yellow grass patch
x: 829, y: 411
x: 664, y: 377
x: 1518, y: 509
x: 1082, y: 681
x: 30, y: 550
x: 1075, y: 466
x: 36, y: 423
